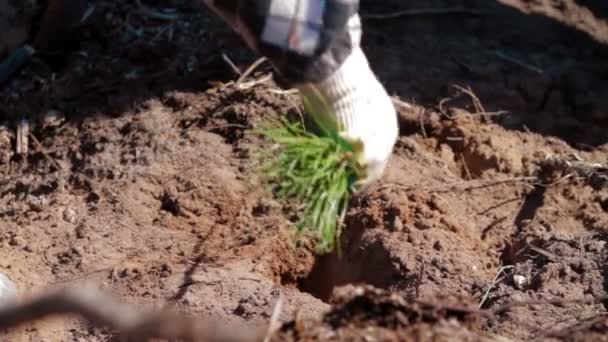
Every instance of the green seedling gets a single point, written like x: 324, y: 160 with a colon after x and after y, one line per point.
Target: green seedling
x: 319, y: 171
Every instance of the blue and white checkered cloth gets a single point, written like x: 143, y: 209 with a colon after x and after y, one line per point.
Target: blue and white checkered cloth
x: 307, y: 40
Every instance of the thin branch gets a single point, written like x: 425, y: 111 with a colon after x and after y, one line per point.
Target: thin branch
x: 479, y: 108
x: 251, y: 84
x: 517, y: 62
x: 250, y: 70
x: 466, y: 167
x: 104, y: 310
x: 231, y: 64
x: 494, y: 282
x: 44, y: 153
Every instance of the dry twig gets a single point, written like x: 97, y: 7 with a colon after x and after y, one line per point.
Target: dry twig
x: 46, y: 155
x: 479, y: 109
x: 466, y: 167
x: 494, y: 282
x: 250, y: 70
x: 251, y: 84
x: 104, y: 310
x: 231, y: 64
x: 242, y: 85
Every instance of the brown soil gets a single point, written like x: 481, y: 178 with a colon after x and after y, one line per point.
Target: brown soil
x: 141, y: 177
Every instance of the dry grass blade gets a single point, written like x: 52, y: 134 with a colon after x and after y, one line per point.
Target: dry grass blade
x: 518, y: 62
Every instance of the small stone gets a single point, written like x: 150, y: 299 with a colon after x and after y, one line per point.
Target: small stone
x: 519, y: 281
x: 69, y: 215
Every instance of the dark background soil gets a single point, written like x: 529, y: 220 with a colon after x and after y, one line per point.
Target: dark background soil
x: 144, y: 179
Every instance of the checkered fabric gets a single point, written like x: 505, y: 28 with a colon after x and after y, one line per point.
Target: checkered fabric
x: 306, y: 40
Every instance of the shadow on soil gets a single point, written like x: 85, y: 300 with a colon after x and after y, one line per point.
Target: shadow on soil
x: 551, y: 78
